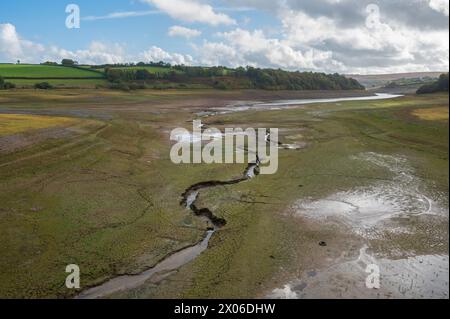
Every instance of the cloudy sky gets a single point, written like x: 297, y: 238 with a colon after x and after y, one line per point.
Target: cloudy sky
x: 346, y: 36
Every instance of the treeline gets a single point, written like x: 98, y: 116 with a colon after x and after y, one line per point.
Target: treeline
x: 440, y: 85
x: 160, y: 64
x: 6, y: 85
x: 226, y: 78
x: 283, y: 80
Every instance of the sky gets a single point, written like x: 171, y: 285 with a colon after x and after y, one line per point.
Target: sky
x: 345, y: 36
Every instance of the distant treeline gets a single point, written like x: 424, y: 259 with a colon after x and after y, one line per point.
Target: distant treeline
x: 224, y: 78
x: 440, y: 85
x: 6, y: 85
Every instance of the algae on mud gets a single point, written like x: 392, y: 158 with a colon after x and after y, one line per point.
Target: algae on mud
x: 107, y: 198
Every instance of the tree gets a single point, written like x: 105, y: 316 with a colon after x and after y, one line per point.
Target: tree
x: 6, y: 85
x: 68, y: 62
x: 43, y: 86
x: 440, y: 85
x: 143, y: 75
x: 50, y: 63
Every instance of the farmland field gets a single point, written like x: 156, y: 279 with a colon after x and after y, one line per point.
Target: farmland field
x: 44, y: 71
x: 151, y: 69
x: 60, y: 83
x: 100, y: 191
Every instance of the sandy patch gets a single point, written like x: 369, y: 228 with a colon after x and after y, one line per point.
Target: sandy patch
x: 432, y: 114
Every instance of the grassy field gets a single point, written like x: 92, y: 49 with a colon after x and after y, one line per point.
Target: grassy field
x: 107, y: 196
x: 17, y: 123
x: 44, y: 71
x: 61, y: 83
x: 151, y: 69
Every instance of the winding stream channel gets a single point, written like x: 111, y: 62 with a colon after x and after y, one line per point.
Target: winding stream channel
x: 189, y: 200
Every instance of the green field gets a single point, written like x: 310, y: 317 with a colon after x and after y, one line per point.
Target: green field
x: 151, y: 69
x: 44, y: 71
x: 61, y: 83
x: 102, y: 192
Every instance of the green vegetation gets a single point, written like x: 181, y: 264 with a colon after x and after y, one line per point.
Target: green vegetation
x: 43, y: 86
x: 101, y: 192
x: 29, y: 71
x: 409, y: 82
x: 68, y: 62
x: 440, y: 85
x: 6, y: 85
x: 241, y: 78
x: 18, y: 123
x: 162, y: 76
x: 62, y: 83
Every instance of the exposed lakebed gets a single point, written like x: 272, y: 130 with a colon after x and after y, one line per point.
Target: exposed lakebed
x: 189, y: 199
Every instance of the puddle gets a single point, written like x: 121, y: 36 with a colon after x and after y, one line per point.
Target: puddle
x: 365, y: 207
x: 415, y: 277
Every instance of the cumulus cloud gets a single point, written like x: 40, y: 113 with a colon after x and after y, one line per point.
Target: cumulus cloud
x: 157, y: 54
x: 178, y: 31
x: 440, y: 6
x: 242, y: 47
x: 320, y: 35
x: 13, y: 47
x: 96, y: 53
x: 191, y: 11
x: 409, y: 36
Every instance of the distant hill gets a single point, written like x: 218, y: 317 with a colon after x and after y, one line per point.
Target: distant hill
x: 440, y: 85
x: 376, y: 81
x: 39, y: 71
x: 162, y: 75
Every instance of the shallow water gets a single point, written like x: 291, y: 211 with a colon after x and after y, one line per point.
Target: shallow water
x: 127, y: 282
x: 363, y: 208
x: 414, y: 277
x: 368, y: 208
x: 283, y: 104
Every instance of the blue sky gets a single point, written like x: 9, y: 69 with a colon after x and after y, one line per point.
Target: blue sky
x: 320, y: 35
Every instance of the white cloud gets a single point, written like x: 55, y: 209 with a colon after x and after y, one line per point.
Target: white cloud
x: 440, y: 6
x: 13, y: 47
x: 387, y: 47
x: 243, y: 47
x: 191, y: 11
x: 178, y: 31
x: 121, y: 15
x: 157, y: 54
x: 96, y: 53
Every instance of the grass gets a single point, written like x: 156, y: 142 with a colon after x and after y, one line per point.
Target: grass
x: 18, y: 123
x: 62, y: 83
x: 44, y: 71
x: 107, y: 198
x: 151, y: 69
x: 432, y: 114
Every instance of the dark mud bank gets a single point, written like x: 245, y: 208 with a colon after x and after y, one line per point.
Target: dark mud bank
x: 190, y: 196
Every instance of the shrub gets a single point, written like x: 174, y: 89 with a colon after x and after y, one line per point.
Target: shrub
x: 120, y: 86
x: 6, y: 85
x: 43, y: 86
x: 440, y: 85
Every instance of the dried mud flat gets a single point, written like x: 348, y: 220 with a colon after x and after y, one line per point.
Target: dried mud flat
x: 377, y: 213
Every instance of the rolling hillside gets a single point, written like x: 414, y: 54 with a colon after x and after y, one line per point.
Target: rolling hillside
x: 27, y: 75
x: 164, y: 76
x: 34, y: 71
